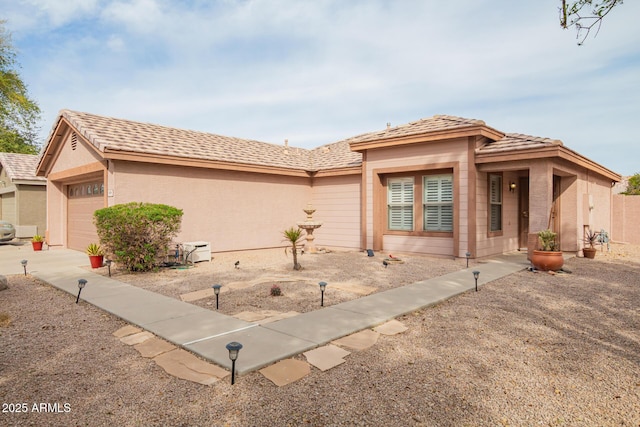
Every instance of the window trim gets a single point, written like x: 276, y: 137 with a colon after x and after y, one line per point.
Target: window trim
x: 404, y: 204
x: 491, y: 203
x: 439, y: 203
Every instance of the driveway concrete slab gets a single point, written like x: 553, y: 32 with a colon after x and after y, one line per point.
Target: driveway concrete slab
x: 286, y: 371
x: 261, y: 347
x: 324, y: 325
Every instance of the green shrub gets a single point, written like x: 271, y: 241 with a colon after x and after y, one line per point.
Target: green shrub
x: 137, y: 234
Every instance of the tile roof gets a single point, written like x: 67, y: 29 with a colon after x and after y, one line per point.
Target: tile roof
x: 517, y: 141
x: 135, y: 137
x: 430, y: 124
x: 20, y: 167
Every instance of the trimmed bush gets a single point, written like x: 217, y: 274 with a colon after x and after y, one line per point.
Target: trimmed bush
x: 137, y: 234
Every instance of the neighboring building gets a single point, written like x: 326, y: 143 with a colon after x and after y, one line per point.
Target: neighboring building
x: 442, y: 185
x: 23, y: 195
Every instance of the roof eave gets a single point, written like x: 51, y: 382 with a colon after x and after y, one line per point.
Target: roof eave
x: 114, y: 154
x: 558, y: 151
x: 458, y: 132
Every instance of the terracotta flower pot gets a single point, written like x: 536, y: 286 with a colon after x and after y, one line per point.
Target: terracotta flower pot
x: 37, y: 246
x: 96, y: 260
x: 547, y: 261
x: 589, y: 252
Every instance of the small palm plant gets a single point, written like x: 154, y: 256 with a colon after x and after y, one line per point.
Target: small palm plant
x: 293, y: 235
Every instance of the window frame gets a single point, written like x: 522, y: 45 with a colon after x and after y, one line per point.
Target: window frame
x: 440, y: 203
x: 402, y: 204
x: 491, y: 177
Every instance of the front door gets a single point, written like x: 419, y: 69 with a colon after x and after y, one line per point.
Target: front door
x: 523, y: 209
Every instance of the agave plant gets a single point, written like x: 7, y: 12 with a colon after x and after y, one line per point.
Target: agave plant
x: 293, y: 236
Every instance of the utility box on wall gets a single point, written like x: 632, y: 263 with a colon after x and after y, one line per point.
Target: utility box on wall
x: 197, y: 251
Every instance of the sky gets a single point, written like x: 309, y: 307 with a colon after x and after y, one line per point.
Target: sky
x: 319, y: 71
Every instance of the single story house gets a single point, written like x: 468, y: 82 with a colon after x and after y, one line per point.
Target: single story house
x: 442, y: 185
x: 23, y: 195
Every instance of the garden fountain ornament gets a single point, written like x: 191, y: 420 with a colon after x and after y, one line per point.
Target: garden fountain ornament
x: 308, y: 226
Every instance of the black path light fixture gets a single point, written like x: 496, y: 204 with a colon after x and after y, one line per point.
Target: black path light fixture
x: 323, y: 286
x: 24, y: 265
x: 234, y: 349
x: 81, y: 284
x: 216, y: 290
x: 108, y: 262
x: 468, y: 254
x: 476, y: 274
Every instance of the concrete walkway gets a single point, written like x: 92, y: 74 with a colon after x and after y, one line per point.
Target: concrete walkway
x: 206, y: 332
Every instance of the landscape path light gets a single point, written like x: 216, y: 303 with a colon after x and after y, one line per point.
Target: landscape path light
x: 468, y: 254
x: 81, y: 284
x: 476, y: 274
x: 234, y: 349
x: 216, y: 290
x: 24, y: 265
x: 108, y: 262
x: 323, y: 285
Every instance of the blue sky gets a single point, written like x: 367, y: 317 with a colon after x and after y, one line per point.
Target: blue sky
x: 316, y: 72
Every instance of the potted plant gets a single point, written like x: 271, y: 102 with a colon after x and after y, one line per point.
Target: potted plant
x: 37, y: 241
x: 96, y: 255
x: 590, y: 238
x: 548, y: 257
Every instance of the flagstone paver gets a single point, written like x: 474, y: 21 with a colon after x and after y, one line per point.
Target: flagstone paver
x: 392, y: 327
x: 136, y: 338
x: 326, y: 357
x: 352, y: 287
x: 286, y: 371
x: 360, y: 340
x: 153, y: 347
x: 126, y: 330
x: 277, y: 317
x: 182, y: 364
x: 197, y: 295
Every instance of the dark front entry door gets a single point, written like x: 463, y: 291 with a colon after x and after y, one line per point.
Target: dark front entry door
x: 523, y: 209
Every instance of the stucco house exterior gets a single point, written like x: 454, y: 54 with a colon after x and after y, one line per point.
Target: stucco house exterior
x: 442, y: 185
x: 22, y: 194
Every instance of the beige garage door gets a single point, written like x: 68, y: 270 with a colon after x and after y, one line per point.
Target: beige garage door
x: 83, y: 199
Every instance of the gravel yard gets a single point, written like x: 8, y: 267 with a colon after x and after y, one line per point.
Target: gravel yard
x: 528, y: 349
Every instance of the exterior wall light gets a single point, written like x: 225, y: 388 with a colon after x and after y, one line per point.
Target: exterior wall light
x: 234, y: 349
x: 512, y: 187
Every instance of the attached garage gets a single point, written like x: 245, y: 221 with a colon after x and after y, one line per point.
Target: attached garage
x: 83, y: 200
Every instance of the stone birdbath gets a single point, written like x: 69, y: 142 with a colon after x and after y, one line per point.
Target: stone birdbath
x: 308, y: 226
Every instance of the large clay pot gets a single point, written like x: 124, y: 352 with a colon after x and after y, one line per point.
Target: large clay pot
x: 37, y: 246
x: 589, y: 252
x: 547, y: 261
x: 96, y: 260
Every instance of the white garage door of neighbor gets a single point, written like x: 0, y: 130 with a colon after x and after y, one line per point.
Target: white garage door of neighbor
x: 82, y: 201
x: 9, y: 207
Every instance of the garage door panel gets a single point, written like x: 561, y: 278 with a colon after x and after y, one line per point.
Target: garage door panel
x: 81, y: 230
x: 9, y: 207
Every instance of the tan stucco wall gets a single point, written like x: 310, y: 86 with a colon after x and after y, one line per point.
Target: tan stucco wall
x: 625, y: 221
x: 32, y: 206
x: 337, y: 203
x: 416, y: 157
x: 231, y: 210
x: 68, y: 158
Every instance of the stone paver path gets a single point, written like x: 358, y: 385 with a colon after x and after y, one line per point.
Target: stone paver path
x: 326, y: 357
x: 286, y: 371
x: 359, y: 341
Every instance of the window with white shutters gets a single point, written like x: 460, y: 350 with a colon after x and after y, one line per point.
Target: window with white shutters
x: 495, y: 203
x: 400, y: 203
x: 438, y: 202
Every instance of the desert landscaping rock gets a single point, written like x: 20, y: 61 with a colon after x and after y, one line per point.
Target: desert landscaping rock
x: 392, y: 327
x: 286, y: 371
x: 359, y: 341
x: 153, y: 347
x: 326, y: 357
x: 529, y: 349
x: 3, y: 283
x: 126, y: 330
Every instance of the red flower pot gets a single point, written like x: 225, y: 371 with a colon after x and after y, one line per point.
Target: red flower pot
x: 96, y: 260
x: 547, y: 261
x: 37, y: 246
